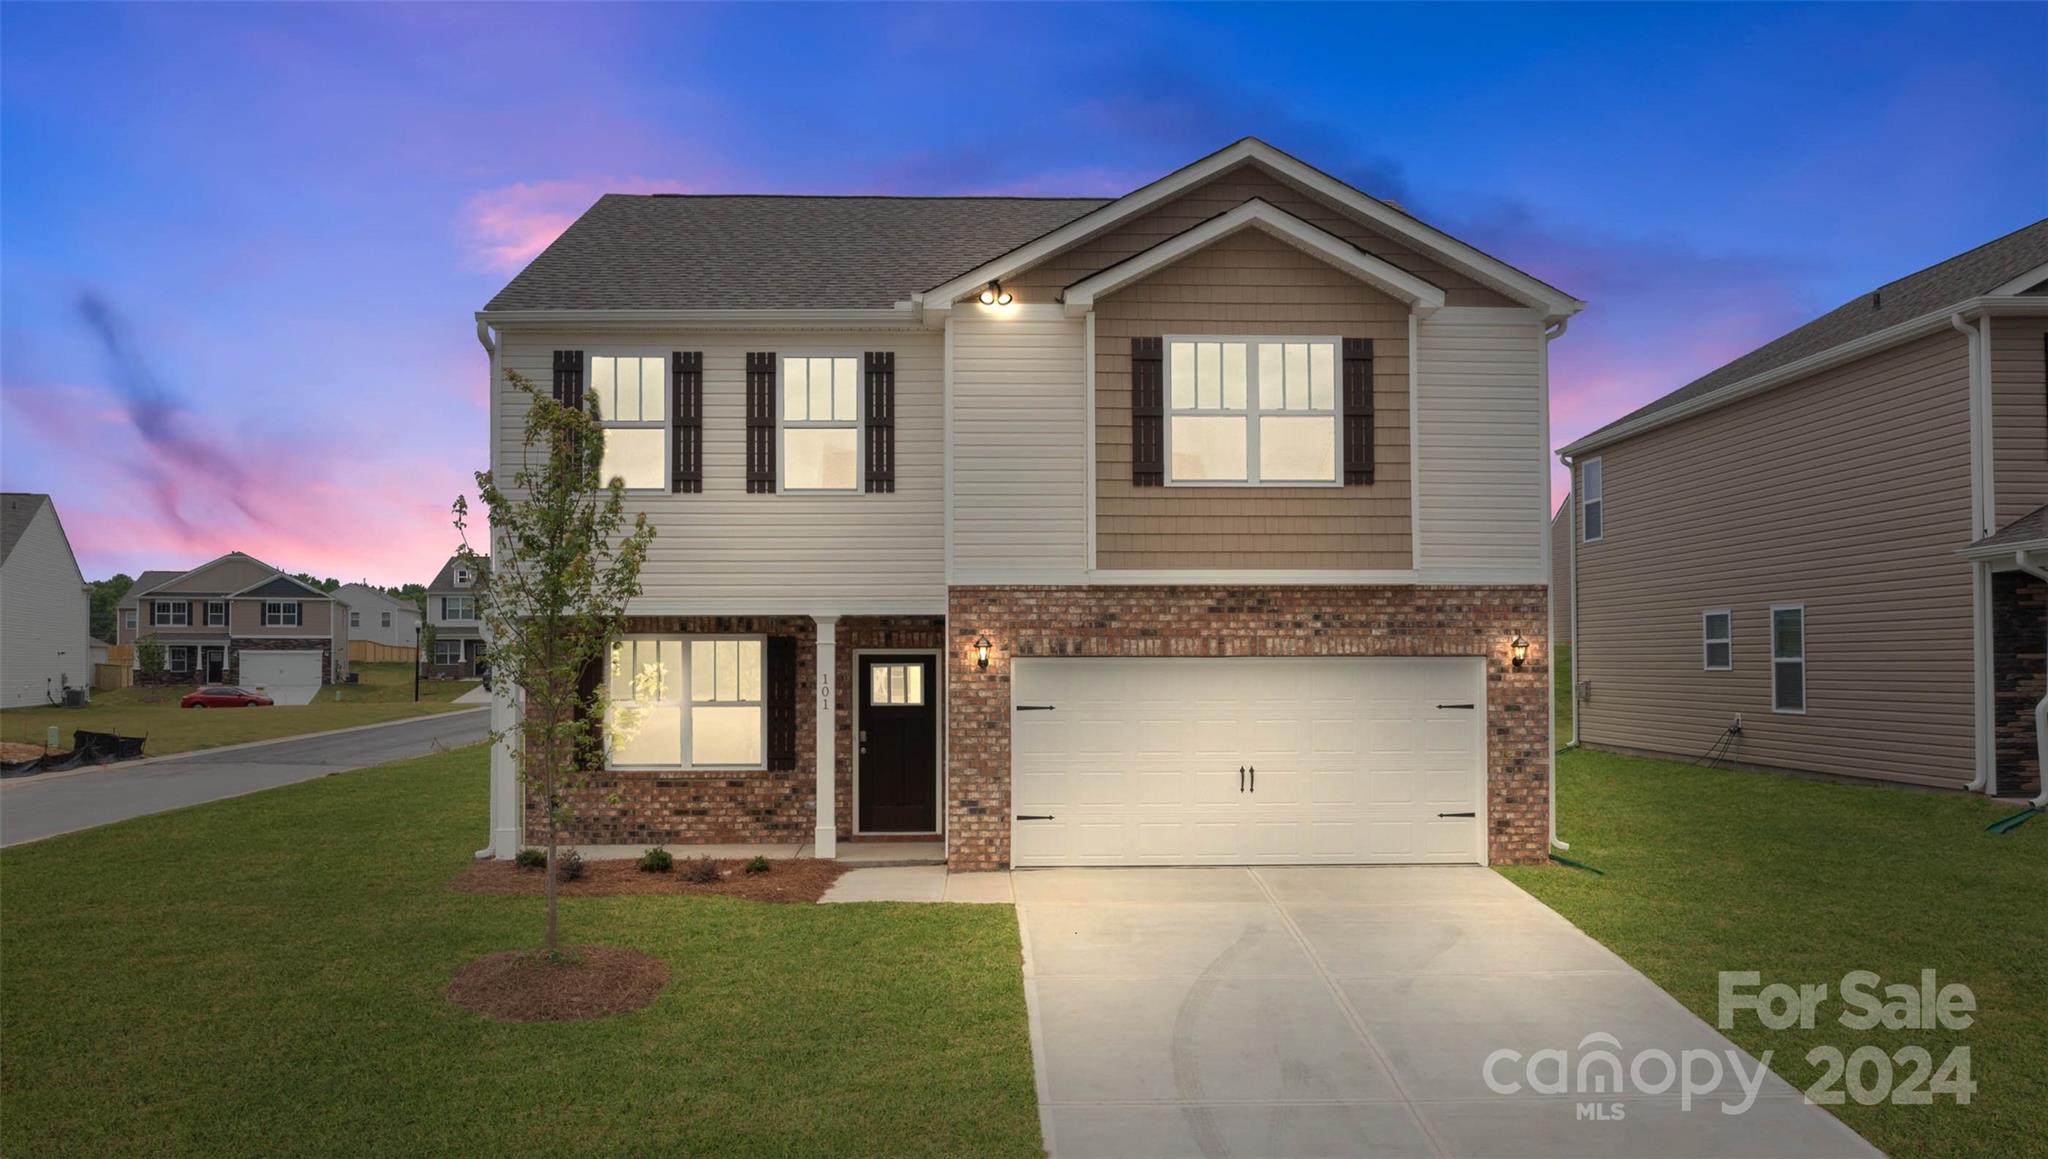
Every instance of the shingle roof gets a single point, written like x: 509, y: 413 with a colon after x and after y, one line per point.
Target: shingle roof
x: 1958, y: 279
x: 146, y: 581
x: 17, y: 510
x: 2026, y: 529
x: 444, y: 580
x: 672, y: 252
x: 364, y: 596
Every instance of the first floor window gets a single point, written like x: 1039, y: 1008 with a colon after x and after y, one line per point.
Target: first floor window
x: 820, y: 424
x: 447, y: 651
x: 1251, y: 411
x: 178, y: 659
x: 280, y: 613
x: 170, y: 614
x: 632, y: 404
x: 1715, y: 632
x: 686, y: 702
x: 1788, y: 658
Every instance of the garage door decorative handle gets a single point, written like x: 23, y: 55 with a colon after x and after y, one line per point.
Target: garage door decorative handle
x: 1034, y: 816
x: 1240, y: 778
x: 1255, y: 778
x: 1454, y: 706
x: 1457, y: 814
x: 1034, y: 708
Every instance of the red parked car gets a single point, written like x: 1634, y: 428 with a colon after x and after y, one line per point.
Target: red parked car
x: 222, y: 696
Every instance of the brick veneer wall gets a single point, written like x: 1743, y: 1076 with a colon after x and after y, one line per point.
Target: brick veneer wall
x: 2019, y: 635
x: 1237, y: 621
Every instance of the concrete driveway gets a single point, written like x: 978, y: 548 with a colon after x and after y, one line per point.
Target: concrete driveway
x: 1351, y: 1011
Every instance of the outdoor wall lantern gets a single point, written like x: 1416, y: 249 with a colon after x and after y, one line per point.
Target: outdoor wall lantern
x: 981, y: 647
x: 993, y: 294
x: 1519, y: 650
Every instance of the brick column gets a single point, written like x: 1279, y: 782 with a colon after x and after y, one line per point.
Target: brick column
x: 826, y: 830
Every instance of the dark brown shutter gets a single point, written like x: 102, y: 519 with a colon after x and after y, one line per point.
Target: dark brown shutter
x: 686, y: 403
x: 782, y: 705
x: 1357, y: 411
x: 1148, y: 413
x: 881, y: 381
x: 192, y: 614
x: 590, y: 744
x: 569, y: 378
x: 761, y: 423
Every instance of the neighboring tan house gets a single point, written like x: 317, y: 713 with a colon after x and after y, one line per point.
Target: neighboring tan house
x: 1561, y: 573
x: 1195, y: 526
x: 1788, y: 541
x: 458, y: 650
x: 237, y: 620
x: 379, y: 617
x: 45, y: 609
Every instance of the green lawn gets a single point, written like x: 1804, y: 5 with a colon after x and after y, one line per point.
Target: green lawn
x: 263, y: 975
x: 383, y: 693
x: 1805, y: 881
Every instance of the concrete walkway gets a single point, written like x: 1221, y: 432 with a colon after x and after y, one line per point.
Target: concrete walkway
x: 1352, y: 1011
x: 919, y: 883
x: 32, y: 808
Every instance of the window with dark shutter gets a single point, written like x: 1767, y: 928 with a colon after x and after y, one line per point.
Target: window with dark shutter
x: 1148, y: 422
x: 569, y: 378
x: 686, y: 385
x: 590, y: 733
x: 782, y: 703
x: 881, y: 400
x: 761, y: 423
x: 1357, y: 411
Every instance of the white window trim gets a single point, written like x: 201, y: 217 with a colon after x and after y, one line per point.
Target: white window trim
x: 355, y: 618
x: 210, y: 606
x: 387, y: 620
x: 665, y: 425
x: 461, y: 651
x: 158, y: 617
x: 1776, y: 660
x: 176, y: 652
x: 298, y: 614
x: 1252, y: 412
x: 463, y: 576
x: 448, y: 617
x: 687, y: 704
x: 859, y: 425
x: 130, y: 618
x: 1586, y: 501
x: 1705, y: 639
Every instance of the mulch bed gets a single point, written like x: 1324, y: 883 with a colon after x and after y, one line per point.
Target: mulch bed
x: 11, y: 751
x: 585, y: 982
x: 801, y: 880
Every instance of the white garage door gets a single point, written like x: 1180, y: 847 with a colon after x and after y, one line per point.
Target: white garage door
x: 286, y: 677
x: 1253, y: 761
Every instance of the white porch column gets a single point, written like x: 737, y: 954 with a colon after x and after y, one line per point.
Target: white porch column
x: 506, y: 806
x: 826, y: 835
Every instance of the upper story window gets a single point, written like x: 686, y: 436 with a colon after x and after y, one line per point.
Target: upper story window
x: 1788, y: 658
x: 464, y: 577
x: 170, y: 614
x: 386, y: 616
x: 820, y: 419
x: 458, y: 607
x: 128, y: 618
x: 1592, y: 508
x: 216, y: 613
x: 280, y: 613
x: 1716, y: 632
x: 355, y: 619
x: 1252, y: 411
x: 632, y: 404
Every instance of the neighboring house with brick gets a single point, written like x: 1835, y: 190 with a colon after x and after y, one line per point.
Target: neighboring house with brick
x: 378, y: 616
x: 458, y: 648
x: 45, y: 609
x: 1201, y: 525
x: 1835, y: 540
x: 238, y: 620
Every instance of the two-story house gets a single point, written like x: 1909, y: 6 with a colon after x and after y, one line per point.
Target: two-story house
x: 458, y: 648
x: 1828, y: 555
x: 1201, y: 525
x: 238, y: 620
x: 379, y: 617
x: 45, y: 612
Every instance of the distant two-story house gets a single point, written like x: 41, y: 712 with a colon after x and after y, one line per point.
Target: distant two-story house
x: 379, y: 617
x: 1203, y: 525
x: 458, y: 650
x: 1827, y: 555
x: 45, y: 611
x: 238, y: 620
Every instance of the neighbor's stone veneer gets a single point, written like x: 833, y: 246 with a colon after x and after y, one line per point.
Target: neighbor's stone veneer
x: 1238, y: 621
x: 2019, y: 634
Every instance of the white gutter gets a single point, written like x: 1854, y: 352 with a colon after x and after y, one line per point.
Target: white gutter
x: 900, y: 316
x: 1551, y: 334
x: 2040, y: 709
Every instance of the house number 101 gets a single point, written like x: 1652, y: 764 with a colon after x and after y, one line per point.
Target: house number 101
x: 824, y: 690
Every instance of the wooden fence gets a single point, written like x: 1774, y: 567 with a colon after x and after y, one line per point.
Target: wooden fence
x: 109, y: 676
x: 371, y: 652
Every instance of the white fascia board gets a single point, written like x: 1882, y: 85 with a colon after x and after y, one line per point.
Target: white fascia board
x: 900, y: 317
x: 787, y: 606
x: 1833, y: 356
x: 1487, y: 270
x: 2000, y: 551
x: 1257, y: 214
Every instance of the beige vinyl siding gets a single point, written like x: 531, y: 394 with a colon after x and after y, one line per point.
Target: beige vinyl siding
x: 1020, y: 434
x: 245, y: 618
x: 1848, y: 492
x: 1561, y: 573
x: 1251, y: 284
x: 1220, y: 194
x: 229, y: 575
x: 2019, y: 416
x: 727, y: 551
x: 1482, y: 463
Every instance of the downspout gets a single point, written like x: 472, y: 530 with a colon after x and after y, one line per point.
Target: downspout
x: 483, y: 336
x: 1551, y: 334
x: 1980, y: 616
x: 2040, y: 800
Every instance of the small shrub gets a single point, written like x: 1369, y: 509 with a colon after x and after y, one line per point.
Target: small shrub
x: 568, y: 864
x: 758, y: 865
x: 531, y: 859
x: 701, y: 871
x: 656, y: 861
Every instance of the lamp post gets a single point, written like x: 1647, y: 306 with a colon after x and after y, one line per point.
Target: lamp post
x: 415, y: 663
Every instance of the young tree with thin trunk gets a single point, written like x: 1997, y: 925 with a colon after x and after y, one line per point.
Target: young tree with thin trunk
x: 562, y: 566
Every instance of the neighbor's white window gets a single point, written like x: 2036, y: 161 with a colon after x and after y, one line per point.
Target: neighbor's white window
x: 178, y: 659
x: 1252, y: 411
x: 1716, y: 629
x: 355, y: 619
x: 820, y: 423
x: 1788, y: 658
x: 280, y: 614
x: 1591, y: 507
x: 128, y: 617
x: 458, y: 607
x: 463, y: 576
x: 896, y: 684
x: 387, y: 620
x: 632, y: 405
x: 686, y: 702
x: 170, y: 614
x: 447, y: 651
x: 216, y: 613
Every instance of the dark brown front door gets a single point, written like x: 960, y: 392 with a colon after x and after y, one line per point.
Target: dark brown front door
x: 215, y: 664
x: 898, y: 735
